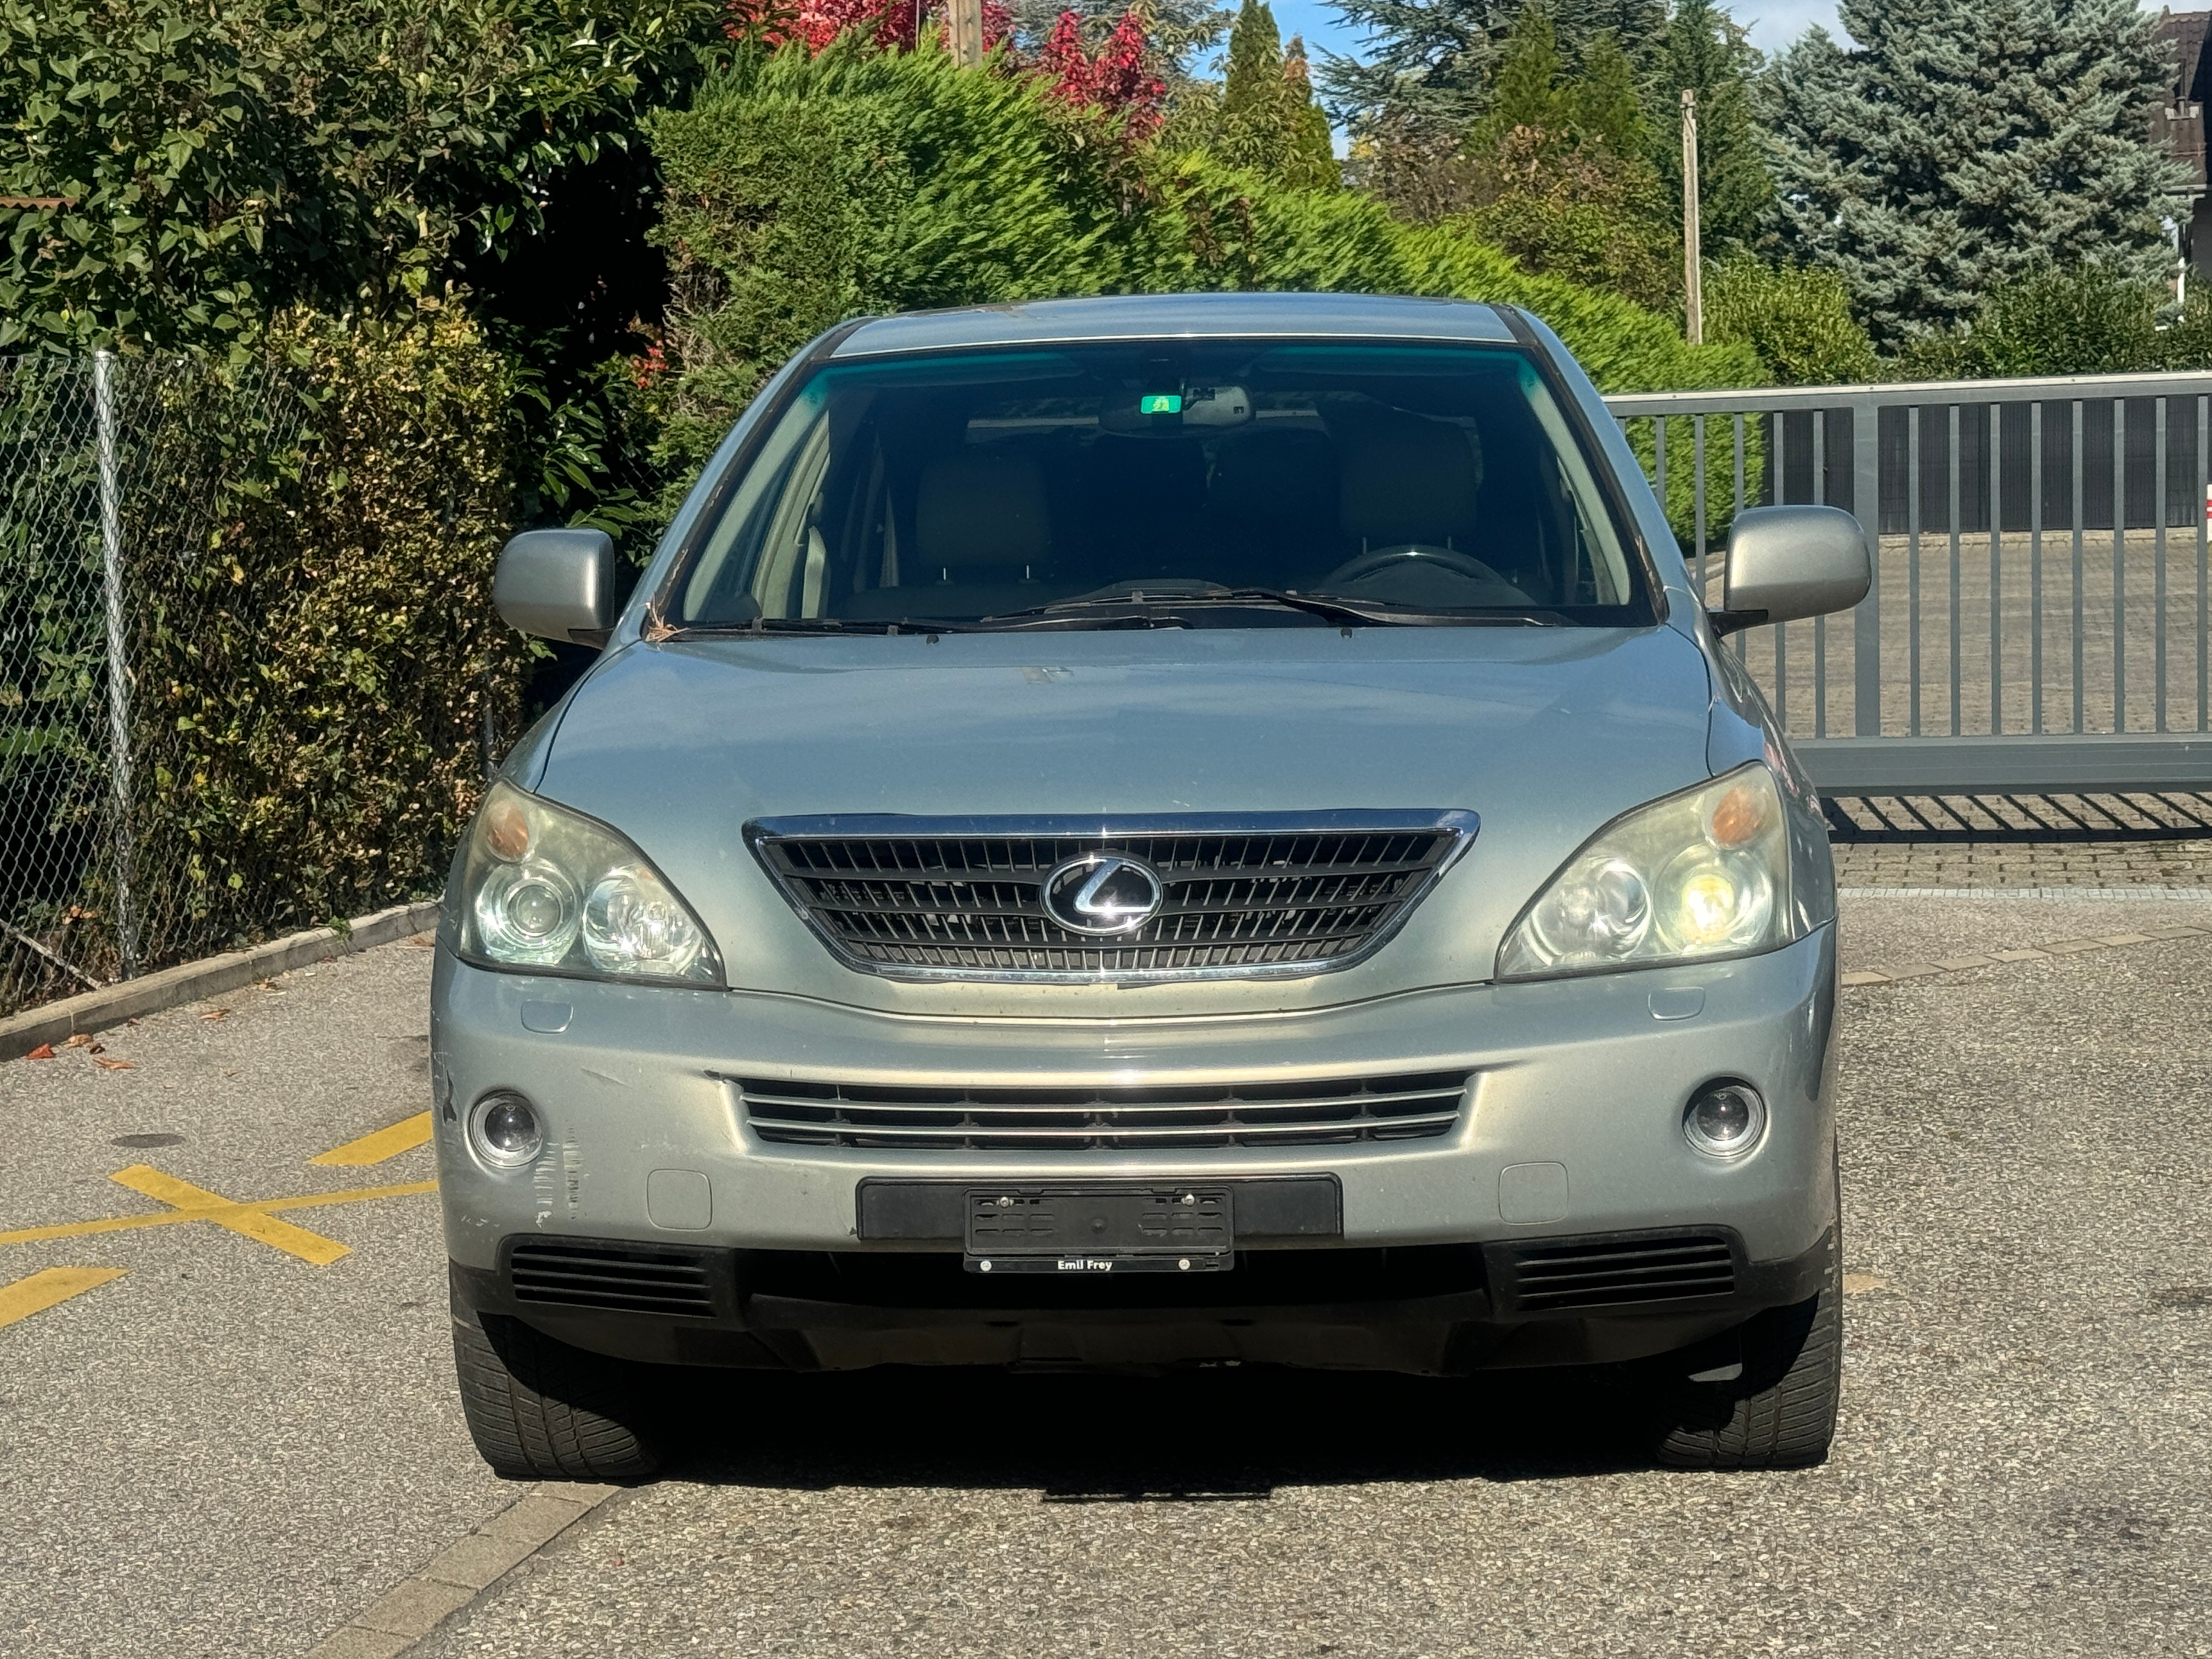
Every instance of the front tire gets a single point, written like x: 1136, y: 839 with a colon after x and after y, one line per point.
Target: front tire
x: 1781, y: 1413
x: 540, y: 1410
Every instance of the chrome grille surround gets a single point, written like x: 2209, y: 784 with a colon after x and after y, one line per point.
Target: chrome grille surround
x: 1179, y: 1117
x: 1246, y: 895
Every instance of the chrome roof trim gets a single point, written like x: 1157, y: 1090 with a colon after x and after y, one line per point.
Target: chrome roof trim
x: 1115, y: 318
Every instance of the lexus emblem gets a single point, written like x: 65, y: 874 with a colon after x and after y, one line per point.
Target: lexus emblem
x: 1103, y: 893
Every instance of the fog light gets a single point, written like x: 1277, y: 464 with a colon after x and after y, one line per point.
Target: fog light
x: 504, y: 1130
x: 1725, y: 1119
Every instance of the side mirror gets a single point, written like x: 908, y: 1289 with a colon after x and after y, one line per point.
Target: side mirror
x: 558, y: 585
x: 1784, y: 563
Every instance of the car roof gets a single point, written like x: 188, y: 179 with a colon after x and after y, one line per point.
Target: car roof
x: 1179, y: 316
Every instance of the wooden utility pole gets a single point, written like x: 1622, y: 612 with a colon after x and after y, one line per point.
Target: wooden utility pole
x: 1693, y: 275
x: 968, y: 34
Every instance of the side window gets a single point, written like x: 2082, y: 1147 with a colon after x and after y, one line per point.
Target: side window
x: 749, y: 525
x: 793, y: 569
x: 1596, y: 564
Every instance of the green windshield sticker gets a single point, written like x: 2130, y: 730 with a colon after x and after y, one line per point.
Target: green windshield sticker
x: 1160, y: 402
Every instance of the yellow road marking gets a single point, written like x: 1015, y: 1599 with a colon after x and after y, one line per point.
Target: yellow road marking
x: 243, y: 1219
x: 126, y: 1223
x: 403, y: 1136
x: 41, y: 1291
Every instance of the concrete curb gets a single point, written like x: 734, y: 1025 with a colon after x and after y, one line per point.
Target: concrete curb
x: 461, y: 1571
x: 96, y: 1010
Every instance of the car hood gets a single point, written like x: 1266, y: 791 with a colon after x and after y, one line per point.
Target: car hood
x: 1544, y: 733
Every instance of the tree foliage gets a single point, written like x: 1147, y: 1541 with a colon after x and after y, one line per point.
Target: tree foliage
x: 1603, y: 83
x: 1253, y: 125
x: 1797, y: 319
x: 1118, y: 78
x: 1555, y: 173
x: 1958, y: 151
x: 1309, y: 163
x: 217, y: 161
x: 1428, y: 65
x: 1267, y: 120
x: 2088, y: 319
x: 1705, y: 49
x: 1180, y: 33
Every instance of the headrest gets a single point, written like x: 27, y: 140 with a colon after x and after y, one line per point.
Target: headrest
x: 980, y: 508
x: 1408, y: 480
x: 1276, y: 476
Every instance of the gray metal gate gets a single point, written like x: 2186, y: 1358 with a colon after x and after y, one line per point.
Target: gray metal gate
x: 2038, y: 623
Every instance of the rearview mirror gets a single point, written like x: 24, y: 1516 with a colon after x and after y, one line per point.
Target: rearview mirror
x: 1784, y: 563
x: 558, y: 585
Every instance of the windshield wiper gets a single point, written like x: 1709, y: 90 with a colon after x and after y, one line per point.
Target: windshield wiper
x: 760, y: 627
x: 1378, y: 613
x: 1386, y: 612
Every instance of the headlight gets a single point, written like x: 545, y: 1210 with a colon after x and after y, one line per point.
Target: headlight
x: 542, y: 887
x: 1701, y: 874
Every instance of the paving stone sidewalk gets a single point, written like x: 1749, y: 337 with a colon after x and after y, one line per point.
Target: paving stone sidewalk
x: 2017, y: 842
x: 1956, y: 864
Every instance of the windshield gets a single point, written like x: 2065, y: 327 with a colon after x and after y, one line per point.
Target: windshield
x: 1216, y: 480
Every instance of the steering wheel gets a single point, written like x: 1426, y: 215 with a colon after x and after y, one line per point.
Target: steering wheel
x: 1381, y: 558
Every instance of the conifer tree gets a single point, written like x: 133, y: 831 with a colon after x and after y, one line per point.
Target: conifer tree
x: 1525, y: 92
x: 1253, y: 129
x: 1424, y: 64
x: 1556, y: 172
x: 1594, y: 113
x: 1705, y: 49
x: 1428, y: 64
x: 1264, y: 118
x: 1606, y: 108
x: 1957, y: 150
x: 1309, y: 163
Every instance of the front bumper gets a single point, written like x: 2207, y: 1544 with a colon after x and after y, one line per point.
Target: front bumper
x: 1587, y: 1078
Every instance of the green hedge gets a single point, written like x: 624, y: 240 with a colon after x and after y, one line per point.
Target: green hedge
x: 805, y: 190
x: 324, y: 704
x: 316, y: 671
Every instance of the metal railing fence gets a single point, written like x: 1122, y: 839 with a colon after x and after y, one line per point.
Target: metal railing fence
x: 113, y: 476
x: 2037, y: 622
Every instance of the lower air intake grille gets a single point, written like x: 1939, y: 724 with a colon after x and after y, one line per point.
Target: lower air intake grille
x: 950, y: 1118
x: 600, y: 1276
x: 1607, y: 1272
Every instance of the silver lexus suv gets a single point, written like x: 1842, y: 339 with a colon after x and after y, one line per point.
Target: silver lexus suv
x: 1142, y: 833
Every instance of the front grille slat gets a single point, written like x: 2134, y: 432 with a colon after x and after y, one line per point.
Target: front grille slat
x: 755, y: 1098
x: 968, y: 902
x: 1062, y: 1120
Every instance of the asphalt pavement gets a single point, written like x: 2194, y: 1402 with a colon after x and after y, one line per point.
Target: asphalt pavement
x: 219, y: 1436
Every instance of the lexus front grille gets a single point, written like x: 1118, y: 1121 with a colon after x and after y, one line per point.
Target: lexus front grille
x: 1273, y: 895
x: 1184, y: 1117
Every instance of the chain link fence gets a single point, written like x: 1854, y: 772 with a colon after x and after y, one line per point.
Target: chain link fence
x: 115, y: 474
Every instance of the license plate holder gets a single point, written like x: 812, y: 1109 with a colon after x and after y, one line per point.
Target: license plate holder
x: 1094, y: 1228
